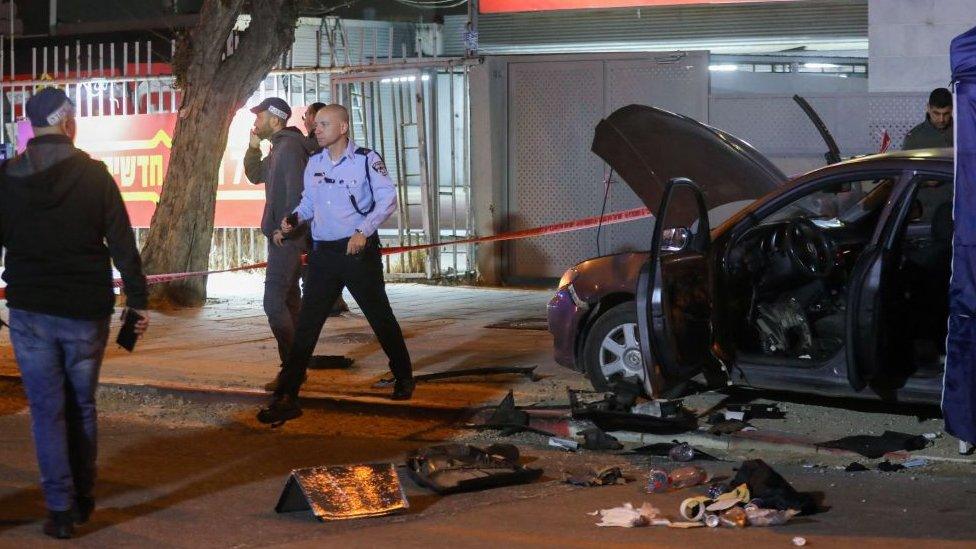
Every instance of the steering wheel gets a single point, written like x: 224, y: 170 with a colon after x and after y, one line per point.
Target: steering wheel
x: 808, y: 248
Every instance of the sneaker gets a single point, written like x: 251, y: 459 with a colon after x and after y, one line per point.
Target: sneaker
x: 60, y: 524
x: 272, y: 386
x: 281, y: 409
x: 84, y: 505
x: 403, y: 389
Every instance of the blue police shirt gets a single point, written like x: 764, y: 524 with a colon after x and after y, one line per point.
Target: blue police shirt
x: 329, y: 186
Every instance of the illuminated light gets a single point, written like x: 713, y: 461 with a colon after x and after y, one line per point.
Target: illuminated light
x: 411, y: 79
x: 425, y: 77
x: 820, y: 66
x: 723, y: 68
x: 385, y: 81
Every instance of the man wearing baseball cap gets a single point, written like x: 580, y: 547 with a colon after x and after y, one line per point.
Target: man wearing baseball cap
x: 63, y: 224
x: 282, y: 173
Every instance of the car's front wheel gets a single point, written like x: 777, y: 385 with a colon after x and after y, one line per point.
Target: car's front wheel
x: 612, y: 347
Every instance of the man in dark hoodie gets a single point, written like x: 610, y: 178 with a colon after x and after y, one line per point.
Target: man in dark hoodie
x: 63, y: 223
x: 282, y: 173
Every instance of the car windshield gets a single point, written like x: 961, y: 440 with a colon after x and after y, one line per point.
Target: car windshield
x: 839, y: 204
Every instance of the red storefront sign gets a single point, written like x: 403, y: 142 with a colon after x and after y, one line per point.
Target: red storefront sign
x: 509, y: 6
x: 136, y: 149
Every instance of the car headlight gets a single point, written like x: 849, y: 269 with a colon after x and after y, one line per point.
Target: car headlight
x: 568, y: 277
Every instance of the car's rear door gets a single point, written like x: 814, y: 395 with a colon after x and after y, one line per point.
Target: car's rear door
x: 674, y: 291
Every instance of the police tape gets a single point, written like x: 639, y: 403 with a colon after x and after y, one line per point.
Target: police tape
x: 545, y: 230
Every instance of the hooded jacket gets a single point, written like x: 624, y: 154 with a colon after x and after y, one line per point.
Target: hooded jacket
x: 63, y: 223
x: 282, y: 173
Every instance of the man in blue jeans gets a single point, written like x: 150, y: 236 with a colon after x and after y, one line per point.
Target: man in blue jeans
x: 62, y: 224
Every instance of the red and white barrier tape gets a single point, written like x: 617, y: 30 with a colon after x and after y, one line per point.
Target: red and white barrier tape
x: 556, y: 228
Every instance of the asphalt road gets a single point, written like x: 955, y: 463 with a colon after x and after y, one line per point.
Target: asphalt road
x: 178, y: 474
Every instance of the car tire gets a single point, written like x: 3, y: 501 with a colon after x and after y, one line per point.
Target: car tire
x: 620, y: 325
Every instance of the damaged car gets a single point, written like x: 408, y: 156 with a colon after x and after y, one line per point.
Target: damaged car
x: 834, y: 282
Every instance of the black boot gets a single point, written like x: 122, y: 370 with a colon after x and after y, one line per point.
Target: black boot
x: 60, y: 524
x: 403, y: 389
x: 281, y: 409
x: 84, y: 505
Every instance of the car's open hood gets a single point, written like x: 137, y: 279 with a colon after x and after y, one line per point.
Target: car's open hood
x: 648, y: 146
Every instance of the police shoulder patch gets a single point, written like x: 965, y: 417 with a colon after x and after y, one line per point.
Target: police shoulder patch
x: 380, y: 167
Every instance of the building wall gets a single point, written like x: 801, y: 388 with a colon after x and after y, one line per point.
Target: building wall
x: 909, y: 42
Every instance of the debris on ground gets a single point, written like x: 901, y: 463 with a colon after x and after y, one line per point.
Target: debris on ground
x: 451, y: 468
x: 587, y: 476
x: 627, y: 516
x: 564, y: 444
x: 799, y: 542
x: 856, y: 467
x: 508, y: 419
x: 875, y: 447
x: 659, y: 480
x: 772, y: 489
x: 614, y: 412
x: 663, y: 449
x: 595, y: 439
x: 341, y: 492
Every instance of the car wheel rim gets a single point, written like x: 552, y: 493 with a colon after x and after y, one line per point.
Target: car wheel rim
x: 620, y: 353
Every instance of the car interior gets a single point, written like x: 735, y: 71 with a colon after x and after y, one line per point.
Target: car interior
x: 793, y: 268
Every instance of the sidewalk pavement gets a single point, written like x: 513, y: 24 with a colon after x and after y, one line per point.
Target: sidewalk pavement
x: 228, y: 346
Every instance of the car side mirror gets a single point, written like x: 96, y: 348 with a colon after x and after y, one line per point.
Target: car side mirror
x: 675, y: 239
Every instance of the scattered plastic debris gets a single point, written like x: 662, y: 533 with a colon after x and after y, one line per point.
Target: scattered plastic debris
x: 564, y: 443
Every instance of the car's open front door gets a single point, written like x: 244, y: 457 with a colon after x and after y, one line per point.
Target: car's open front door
x: 674, y: 291
x: 869, y: 297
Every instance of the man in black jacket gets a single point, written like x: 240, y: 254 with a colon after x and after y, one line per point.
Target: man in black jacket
x: 282, y: 173
x: 63, y: 223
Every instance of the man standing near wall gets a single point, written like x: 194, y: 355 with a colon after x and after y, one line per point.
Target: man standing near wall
x: 936, y: 131
x: 63, y: 223
x: 281, y: 172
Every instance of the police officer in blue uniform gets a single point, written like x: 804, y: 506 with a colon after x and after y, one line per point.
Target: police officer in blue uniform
x: 348, y: 194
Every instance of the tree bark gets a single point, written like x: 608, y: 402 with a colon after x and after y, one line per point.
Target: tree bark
x: 215, y: 85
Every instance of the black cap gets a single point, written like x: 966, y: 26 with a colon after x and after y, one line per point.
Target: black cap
x: 278, y: 107
x: 48, y: 107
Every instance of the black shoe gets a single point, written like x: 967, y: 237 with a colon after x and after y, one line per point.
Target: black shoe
x: 281, y: 409
x: 60, y: 524
x: 84, y: 505
x: 403, y: 389
x: 272, y: 386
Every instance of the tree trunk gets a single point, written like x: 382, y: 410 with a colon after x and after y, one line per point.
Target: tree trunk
x: 214, y: 85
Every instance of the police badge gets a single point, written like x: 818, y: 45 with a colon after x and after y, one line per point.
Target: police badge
x: 380, y: 168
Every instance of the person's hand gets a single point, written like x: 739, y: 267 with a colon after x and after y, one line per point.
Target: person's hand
x: 143, y: 323
x: 286, y: 227
x: 356, y: 243
x: 278, y: 237
x: 255, y: 142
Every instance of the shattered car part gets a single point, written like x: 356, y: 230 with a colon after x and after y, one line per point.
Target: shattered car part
x: 564, y: 443
x: 595, y: 439
x: 875, y: 447
x: 451, y: 468
x: 587, y: 476
x: 609, y: 415
x: 783, y: 328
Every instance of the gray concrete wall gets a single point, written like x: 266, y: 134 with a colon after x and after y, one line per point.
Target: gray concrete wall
x: 909, y: 42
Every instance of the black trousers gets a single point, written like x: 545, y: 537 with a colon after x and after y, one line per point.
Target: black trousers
x: 329, y: 271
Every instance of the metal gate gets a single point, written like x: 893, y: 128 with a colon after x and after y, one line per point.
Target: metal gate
x: 417, y: 119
